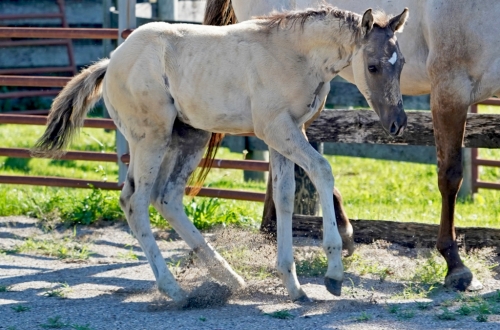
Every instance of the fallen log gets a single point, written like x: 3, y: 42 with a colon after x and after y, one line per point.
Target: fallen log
x: 357, y: 126
x: 409, y: 234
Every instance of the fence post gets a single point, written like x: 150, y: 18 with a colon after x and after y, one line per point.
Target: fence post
x: 254, y: 175
x: 167, y: 10
x: 306, y: 196
x: 306, y: 200
x: 467, y: 187
x: 126, y: 20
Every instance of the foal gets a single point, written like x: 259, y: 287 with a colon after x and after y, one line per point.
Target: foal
x: 167, y: 86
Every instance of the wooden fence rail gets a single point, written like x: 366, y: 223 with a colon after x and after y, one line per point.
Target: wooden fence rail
x: 342, y: 126
x: 359, y: 126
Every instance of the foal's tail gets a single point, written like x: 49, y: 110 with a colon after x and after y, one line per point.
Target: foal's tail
x: 69, y: 109
x: 217, y: 12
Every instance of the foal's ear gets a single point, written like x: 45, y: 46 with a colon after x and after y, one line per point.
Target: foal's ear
x: 367, y: 22
x: 397, y: 23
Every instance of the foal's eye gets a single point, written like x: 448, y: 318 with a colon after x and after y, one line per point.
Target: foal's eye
x: 372, y: 68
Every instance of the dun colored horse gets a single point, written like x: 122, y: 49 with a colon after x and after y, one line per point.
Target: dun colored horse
x: 452, y: 52
x: 168, y: 86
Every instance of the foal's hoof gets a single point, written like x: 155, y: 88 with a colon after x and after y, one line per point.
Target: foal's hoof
x: 462, y: 279
x: 333, y: 286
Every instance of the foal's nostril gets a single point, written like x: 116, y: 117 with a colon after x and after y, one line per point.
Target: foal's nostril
x: 394, y: 128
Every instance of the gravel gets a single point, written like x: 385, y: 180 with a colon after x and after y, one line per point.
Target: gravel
x: 113, y: 290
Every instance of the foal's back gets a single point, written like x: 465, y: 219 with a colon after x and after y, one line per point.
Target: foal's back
x: 221, y: 71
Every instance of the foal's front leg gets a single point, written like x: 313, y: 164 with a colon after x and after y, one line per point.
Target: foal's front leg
x: 283, y: 181
x: 283, y: 135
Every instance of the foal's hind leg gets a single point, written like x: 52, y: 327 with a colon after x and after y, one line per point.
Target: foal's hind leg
x: 183, y: 155
x: 145, y: 158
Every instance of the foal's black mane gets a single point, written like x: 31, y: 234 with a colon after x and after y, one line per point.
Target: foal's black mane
x: 352, y: 20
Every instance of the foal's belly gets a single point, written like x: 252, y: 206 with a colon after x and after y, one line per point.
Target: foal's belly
x: 220, y: 119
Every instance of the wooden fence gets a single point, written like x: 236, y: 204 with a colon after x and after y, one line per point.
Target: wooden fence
x: 342, y: 126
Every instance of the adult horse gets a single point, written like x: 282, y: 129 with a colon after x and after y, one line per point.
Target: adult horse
x: 167, y: 86
x: 452, y: 52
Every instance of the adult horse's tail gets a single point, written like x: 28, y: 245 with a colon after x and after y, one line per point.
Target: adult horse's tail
x: 69, y: 109
x: 217, y: 12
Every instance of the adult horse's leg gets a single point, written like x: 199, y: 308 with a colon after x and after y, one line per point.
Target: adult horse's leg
x: 449, y: 116
x: 183, y: 156
x: 285, y: 137
x: 343, y: 223
x: 283, y: 182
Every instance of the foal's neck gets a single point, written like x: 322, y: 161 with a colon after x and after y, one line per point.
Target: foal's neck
x: 328, y: 42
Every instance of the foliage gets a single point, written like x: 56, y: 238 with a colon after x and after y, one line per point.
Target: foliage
x: 64, y: 249
x: 482, y: 318
x: 465, y: 310
x: 424, y: 305
x: 431, y: 271
x: 98, y: 205
x: 81, y: 327
x: 54, y: 323
x: 393, y: 190
x: 283, y: 314
x: 446, y: 315
x: 20, y: 308
x: 129, y: 255
x: 364, y: 317
x: 207, y: 213
x: 241, y: 259
x: 405, y: 314
x: 315, y: 265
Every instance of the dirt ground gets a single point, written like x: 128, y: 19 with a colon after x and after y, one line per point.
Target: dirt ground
x: 114, y: 287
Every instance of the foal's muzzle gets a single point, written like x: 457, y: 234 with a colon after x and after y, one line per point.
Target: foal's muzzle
x: 395, y: 122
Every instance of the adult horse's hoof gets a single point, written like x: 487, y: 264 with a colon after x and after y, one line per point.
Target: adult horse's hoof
x: 333, y: 286
x: 462, y: 279
x: 348, y: 244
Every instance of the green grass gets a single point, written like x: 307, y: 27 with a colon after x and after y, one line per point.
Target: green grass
x: 63, y: 249
x: 54, y: 323
x: 446, y: 315
x: 372, y: 189
x: 363, y: 317
x: 20, y: 308
x: 282, y: 314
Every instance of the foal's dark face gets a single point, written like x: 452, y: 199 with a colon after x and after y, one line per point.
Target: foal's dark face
x: 377, y: 67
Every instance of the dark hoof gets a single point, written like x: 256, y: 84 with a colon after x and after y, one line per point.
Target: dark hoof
x: 333, y: 286
x: 462, y: 279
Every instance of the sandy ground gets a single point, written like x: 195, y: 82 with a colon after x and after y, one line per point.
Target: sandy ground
x: 115, y: 290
